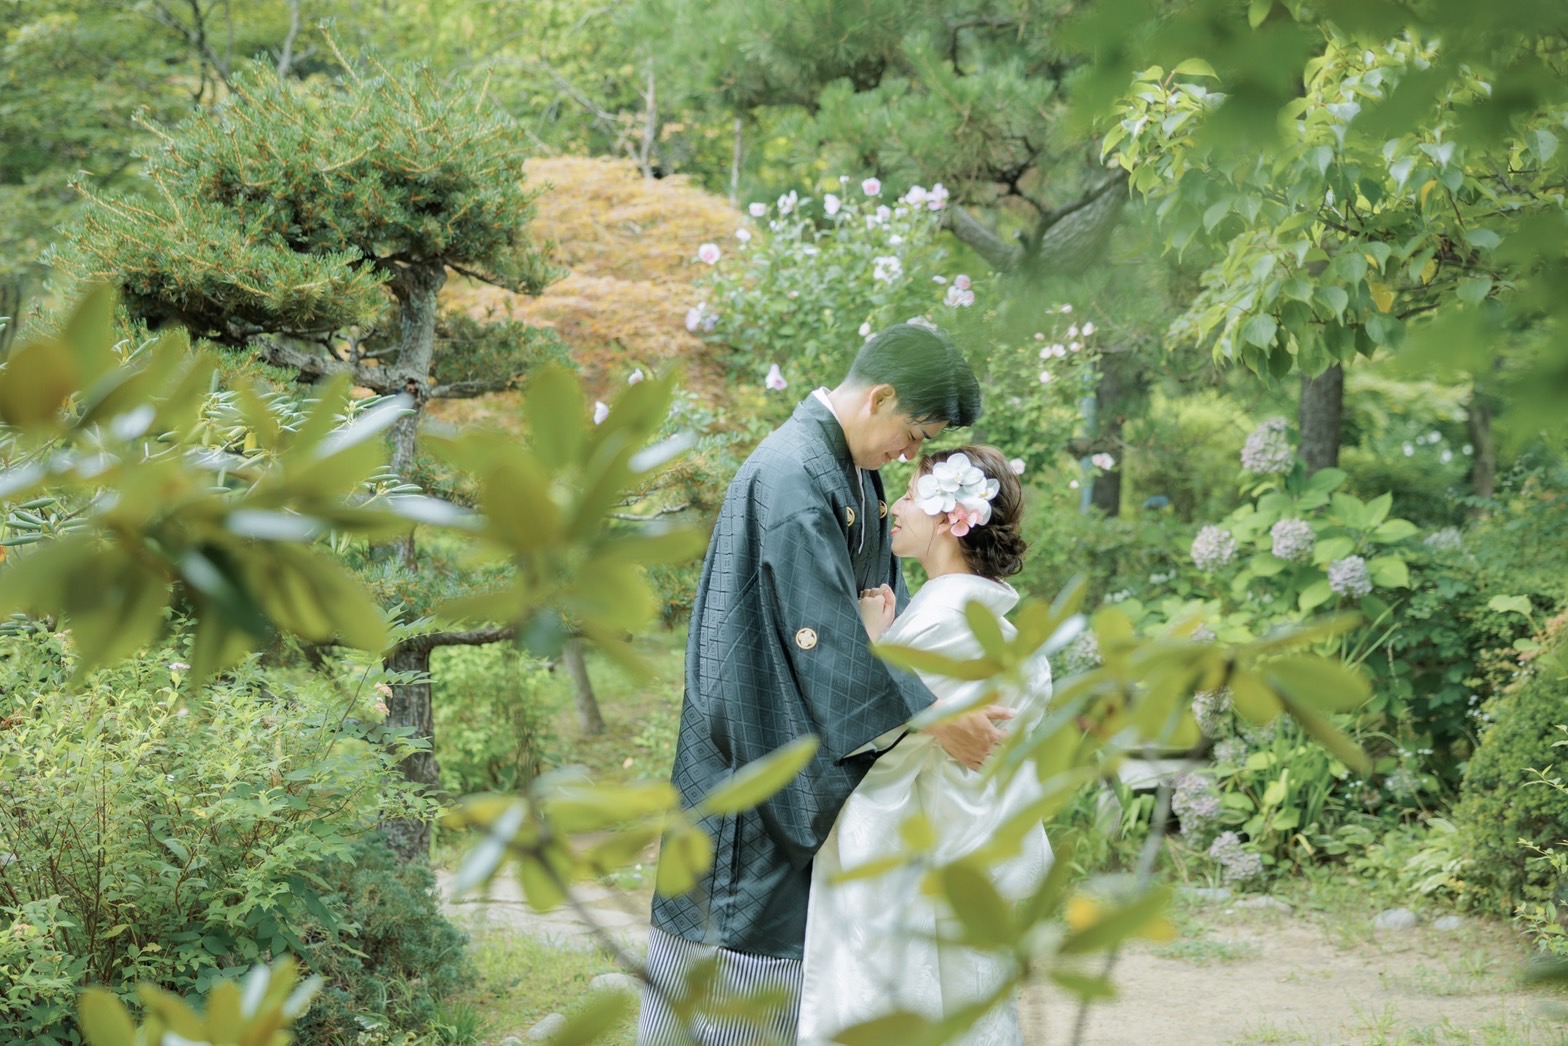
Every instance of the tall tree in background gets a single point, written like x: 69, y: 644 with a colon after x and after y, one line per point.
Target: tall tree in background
x: 314, y: 226
x: 968, y: 95
x: 1410, y: 197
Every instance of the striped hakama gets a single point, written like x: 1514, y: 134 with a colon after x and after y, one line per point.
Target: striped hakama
x: 671, y: 958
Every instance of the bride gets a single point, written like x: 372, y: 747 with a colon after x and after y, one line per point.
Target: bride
x: 879, y: 945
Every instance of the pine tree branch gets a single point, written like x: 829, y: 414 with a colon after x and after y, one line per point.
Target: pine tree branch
x: 316, y: 365
x: 475, y: 637
x: 998, y: 253
x: 462, y: 390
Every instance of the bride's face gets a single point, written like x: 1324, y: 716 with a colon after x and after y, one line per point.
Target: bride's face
x: 913, y: 531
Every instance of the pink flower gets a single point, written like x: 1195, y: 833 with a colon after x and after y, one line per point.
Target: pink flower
x: 743, y: 235
x: 1017, y: 465
x: 961, y: 519
x: 916, y: 195
x: 1088, y: 329
x: 1039, y: 336
x: 1045, y: 377
x: 937, y: 198
x: 381, y: 707
x: 758, y: 209
x: 871, y: 186
x: 709, y: 252
x: 830, y: 204
x: 961, y: 282
x: 1102, y: 461
x: 775, y: 379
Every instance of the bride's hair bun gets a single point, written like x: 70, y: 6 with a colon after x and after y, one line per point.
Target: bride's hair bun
x: 995, y: 550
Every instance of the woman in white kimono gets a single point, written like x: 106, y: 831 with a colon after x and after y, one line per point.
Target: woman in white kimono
x: 875, y: 946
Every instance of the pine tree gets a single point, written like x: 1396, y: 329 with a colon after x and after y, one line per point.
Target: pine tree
x: 314, y: 225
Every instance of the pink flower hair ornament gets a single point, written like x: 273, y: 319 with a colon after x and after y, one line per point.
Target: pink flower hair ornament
x: 959, y: 490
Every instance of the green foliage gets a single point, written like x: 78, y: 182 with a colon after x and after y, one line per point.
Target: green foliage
x: 242, y: 238
x: 491, y: 730
x: 1508, y: 813
x: 180, y: 839
x: 259, y: 1014
x: 1410, y: 193
x: 39, y: 974
x: 395, y: 962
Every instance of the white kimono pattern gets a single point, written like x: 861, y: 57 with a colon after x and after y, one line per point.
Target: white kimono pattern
x: 871, y: 944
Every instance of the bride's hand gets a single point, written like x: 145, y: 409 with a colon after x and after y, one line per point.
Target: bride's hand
x: 970, y: 739
x: 877, y: 607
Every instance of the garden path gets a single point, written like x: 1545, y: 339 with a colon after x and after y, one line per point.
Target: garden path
x: 1236, y: 975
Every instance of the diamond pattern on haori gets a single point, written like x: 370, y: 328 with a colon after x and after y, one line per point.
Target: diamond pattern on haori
x: 782, y: 561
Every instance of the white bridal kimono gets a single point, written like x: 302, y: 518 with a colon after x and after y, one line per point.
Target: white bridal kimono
x: 871, y: 946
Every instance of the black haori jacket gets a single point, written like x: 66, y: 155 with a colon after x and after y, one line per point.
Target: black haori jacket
x: 777, y: 651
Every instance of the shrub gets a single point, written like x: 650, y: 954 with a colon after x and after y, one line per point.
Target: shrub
x: 396, y: 959
x: 177, y: 840
x: 490, y: 733
x: 1509, y: 816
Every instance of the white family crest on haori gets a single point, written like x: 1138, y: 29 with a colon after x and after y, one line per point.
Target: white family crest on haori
x: 958, y: 488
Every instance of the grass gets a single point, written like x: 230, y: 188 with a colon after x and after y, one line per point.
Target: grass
x: 523, y: 980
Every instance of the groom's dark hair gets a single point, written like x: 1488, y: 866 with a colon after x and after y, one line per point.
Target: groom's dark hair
x: 930, y: 377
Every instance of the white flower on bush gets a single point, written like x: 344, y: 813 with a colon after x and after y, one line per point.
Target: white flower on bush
x: 601, y: 410
x: 1072, y: 331
x: 1039, y: 335
x: 958, y: 298
x: 743, y: 235
x: 709, y: 253
x: 757, y: 210
x: 788, y: 201
x: 884, y: 214
x: 1213, y: 548
x: 699, y: 318
x: 961, y: 281
x: 1292, y: 539
x: 871, y: 186
x: 1449, y: 539
x: 1349, y: 576
x: 1267, y: 450
x: 886, y: 268
x: 1065, y: 309
x: 636, y: 376
x: 1102, y: 461
x: 775, y: 379
x: 915, y: 196
x: 865, y: 330
x: 1045, y: 377
x: 1088, y: 329
x: 937, y: 198
x: 1016, y: 465
x: 831, y: 204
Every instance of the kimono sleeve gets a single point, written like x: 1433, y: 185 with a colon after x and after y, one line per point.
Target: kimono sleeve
x: 849, y: 695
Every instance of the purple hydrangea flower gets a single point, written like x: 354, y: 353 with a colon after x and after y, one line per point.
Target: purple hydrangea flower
x: 1237, y: 865
x: 1213, y: 548
x: 1211, y: 708
x: 1267, y: 450
x: 1293, y: 539
x: 1230, y: 752
x: 1196, y: 804
x: 1349, y: 576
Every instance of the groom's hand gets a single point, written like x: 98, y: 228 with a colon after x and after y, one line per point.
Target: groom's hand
x: 970, y: 739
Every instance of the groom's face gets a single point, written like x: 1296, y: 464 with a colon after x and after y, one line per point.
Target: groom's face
x: 888, y: 433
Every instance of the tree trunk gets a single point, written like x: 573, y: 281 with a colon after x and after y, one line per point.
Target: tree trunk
x: 416, y: 288
x: 1483, y: 446
x: 1120, y: 384
x: 588, y: 714
x: 410, y: 706
x: 1321, y: 410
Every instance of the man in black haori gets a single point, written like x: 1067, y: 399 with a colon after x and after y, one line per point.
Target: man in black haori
x: 777, y: 651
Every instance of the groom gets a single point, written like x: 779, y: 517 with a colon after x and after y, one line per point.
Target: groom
x: 777, y: 651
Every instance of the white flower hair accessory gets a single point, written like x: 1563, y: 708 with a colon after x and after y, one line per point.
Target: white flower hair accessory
x: 958, y: 489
